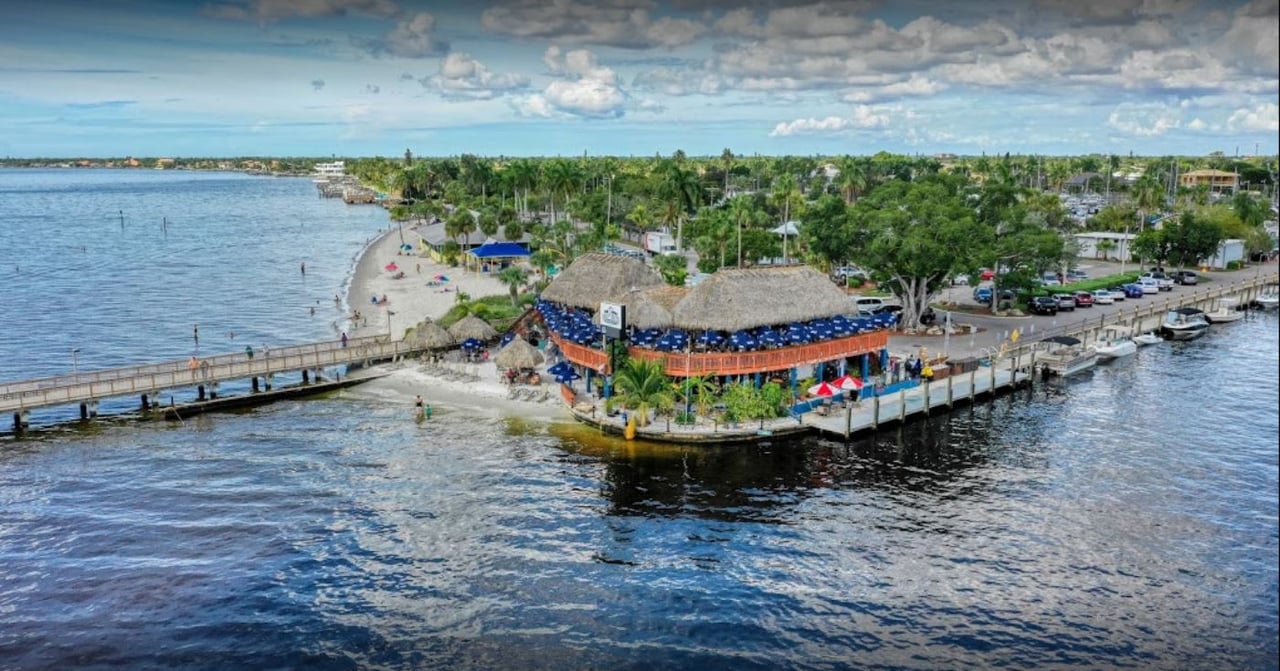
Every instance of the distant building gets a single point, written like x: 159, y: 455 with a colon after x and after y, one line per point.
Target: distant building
x: 1229, y: 251
x: 1105, y: 245
x: 1217, y: 180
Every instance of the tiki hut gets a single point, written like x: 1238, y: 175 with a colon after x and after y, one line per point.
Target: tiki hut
x: 431, y: 335
x: 518, y: 354
x: 651, y: 308
x: 472, y: 326
x: 733, y: 299
x: 593, y: 278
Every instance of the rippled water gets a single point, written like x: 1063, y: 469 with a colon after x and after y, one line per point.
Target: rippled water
x: 1127, y: 519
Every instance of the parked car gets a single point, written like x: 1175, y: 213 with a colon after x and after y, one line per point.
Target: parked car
x: 868, y: 304
x: 1118, y: 293
x: 1084, y: 299
x: 1150, y: 285
x: 960, y: 280
x: 1102, y: 297
x: 844, y: 273
x: 1133, y: 290
x: 1077, y: 275
x: 1065, y: 301
x: 1043, y: 305
x: 1049, y: 280
x: 987, y: 274
x: 1184, y: 277
x: 1163, y: 282
x: 982, y: 295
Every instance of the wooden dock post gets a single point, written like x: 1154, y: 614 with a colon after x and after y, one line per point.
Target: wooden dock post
x: 875, y: 419
x: 950, y: 396
x: 253, y: 383
x: 848, y: 420
x: 306, y: 376
x: 902, y: 405
x: 973, y: 386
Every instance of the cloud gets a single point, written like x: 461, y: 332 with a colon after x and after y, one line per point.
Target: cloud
x: 414, y: 38
x: 583, y: 88
x: 626, y: 24
x: 102, y: 104
x: 265, y: 11
x: 679, y: 81
x: 864, y: 117
x: 915, y: 85
x: 407, y: 77
x: 372, y: 88
x: 464, y: 77
x: 1261, y: 118
x: 1145, y: 119
x: 317, y: 84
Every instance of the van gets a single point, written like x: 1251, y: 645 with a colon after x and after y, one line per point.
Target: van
x: 867, y: 304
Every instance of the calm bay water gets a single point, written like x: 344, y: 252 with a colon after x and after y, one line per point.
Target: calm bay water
x: 1124, y: 519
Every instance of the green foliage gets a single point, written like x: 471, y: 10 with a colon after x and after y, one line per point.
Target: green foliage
x: 513, y: 277
x: 826, y: 230
x: 642, y: 385
x: 744, y: 401
x: 673, y: 268
x: 1191, y: 238
x: 496, y: 310
x: 1234, y: 265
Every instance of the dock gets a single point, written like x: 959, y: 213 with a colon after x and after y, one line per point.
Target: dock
x: 150, y: 382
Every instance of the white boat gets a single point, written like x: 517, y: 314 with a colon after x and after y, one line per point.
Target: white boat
x: 1148, y: 338
x: 1269, y: 298
x: 1063, y: 356
x: 1228, y: 311
x: 1184, y: 324
x: 1116, y: 342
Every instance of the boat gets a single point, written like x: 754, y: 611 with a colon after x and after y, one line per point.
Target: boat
x: 1116, y: 342
x: 1184, y: 324
x: 1148, y: 338
x: 1268, y: 298
x: 1064, y: 356
x: 1228, y: 311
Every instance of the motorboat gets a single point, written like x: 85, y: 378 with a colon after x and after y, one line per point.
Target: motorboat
x: 1116, y: 342
x: 1063, y: 356
x: 1228, y: 311
x: 1269, y: 298
x: 1184, y: 324
x: 1148, y: 338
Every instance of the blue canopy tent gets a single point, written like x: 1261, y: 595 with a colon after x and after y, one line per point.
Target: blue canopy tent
x: 493, y: 254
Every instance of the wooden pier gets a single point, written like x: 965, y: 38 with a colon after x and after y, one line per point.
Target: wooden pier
x: 147, y: 382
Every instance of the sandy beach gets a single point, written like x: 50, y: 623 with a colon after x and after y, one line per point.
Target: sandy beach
x: 459, y: 386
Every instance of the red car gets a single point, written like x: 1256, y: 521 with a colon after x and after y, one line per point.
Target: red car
x: 1084, y: 299
x: 987, y: 274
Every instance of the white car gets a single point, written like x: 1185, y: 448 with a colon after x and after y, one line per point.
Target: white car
x: 1103, y: 297
x: 1149, y: 285
x: 1164, y: 282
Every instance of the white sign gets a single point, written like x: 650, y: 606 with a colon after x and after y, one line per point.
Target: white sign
x: 613, y: 317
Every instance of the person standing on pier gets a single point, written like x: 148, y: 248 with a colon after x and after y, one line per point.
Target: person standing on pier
x: 248, y: 351
x: 344, y: 338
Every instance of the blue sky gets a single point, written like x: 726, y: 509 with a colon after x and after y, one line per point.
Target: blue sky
x: 637, y: 77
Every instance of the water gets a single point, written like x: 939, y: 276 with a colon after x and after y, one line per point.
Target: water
x: 1126, y: 519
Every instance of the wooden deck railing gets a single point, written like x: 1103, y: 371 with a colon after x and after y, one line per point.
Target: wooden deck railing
x: 682, y: 364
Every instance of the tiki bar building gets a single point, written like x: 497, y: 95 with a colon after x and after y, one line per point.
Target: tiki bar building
x: 751, y: 325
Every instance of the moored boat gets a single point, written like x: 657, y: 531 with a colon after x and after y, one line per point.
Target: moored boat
x: 1184, y: 324
x: 1064, y: 356
x: 1228, y: 310
x: 1116, y: 342
x: 1269, y: 298
x: 1148, y: 338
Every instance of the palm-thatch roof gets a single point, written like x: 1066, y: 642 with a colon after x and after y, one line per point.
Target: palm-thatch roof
x: 472, y: 326
x: 593, y: 278
x: 431, y: 335
x: 518, y: 354
x: 733, y: 299
x: 651, y: 308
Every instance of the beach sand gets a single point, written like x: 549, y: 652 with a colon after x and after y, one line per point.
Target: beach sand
x: 470, y: 387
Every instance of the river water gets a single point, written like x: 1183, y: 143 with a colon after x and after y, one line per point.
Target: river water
x: 1124, y: 519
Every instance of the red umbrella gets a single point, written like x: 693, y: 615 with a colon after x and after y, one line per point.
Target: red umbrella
x: 823, y: 389
x: 847, y: 382
x: 391, y: 267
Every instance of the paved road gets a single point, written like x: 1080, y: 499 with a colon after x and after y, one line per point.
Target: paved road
x: 993, y: 330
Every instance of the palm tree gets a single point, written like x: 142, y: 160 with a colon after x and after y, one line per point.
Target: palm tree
x: 460, y: 223
x: 560, y: 177
x: 680, y: 189
x: 642, y: 385
x: 726, y: 157
x: 524, y: 175
x: 854, y: 178
x: 514, y: 278
x: 741, y: 212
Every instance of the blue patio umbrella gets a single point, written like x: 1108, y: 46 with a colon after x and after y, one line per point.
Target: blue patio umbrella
x: 507, y: 337
x: 710, y: 338
x: 471, y: 344
x: 568, y: 376
x: 742, y: 340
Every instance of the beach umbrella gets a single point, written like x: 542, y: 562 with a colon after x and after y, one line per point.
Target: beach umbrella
x: 823, y: 389
x: 441, y: 278
x: 847, y: 382
x: 506, y: 338
x: 568, y: 376
x: 472, y: 326
x: 518, y: 354
x: 431, y: 335
x: 471, y: 344
x: 391, y: 267
x: 560, y: 368
x: 406, y: 247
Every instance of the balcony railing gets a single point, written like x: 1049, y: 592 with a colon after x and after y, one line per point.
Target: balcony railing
x: 682, y: 364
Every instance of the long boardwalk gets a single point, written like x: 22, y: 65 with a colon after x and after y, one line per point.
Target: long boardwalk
x: 91, y: 386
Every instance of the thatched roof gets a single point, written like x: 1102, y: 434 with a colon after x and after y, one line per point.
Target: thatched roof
x: 472, y: 326
x: 652, y: 307
x: 593, y: 278
x: 431, y: 335
x: 518, y: 354
x: 733, y: 299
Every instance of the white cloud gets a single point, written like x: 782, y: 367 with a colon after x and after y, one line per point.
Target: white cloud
x: 273, y: 10
x: 1197, y: 124
x: 626, y: 24
x: 864, y: 117
x: 534, y: 106
x: 915, y: 85
x: 463, y: 76
x: 1145, y: 120
x: 1263, y: 118
x: 584, y: 87
x: 679, y: 82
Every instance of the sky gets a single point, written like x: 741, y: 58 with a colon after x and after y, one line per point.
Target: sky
x: 220, y: 78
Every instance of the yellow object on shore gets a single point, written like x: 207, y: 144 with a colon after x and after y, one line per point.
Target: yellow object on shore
x: 630, y: 432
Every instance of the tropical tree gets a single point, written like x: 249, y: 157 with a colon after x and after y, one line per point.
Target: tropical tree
x: 514, y: 278
x: 643, y: 385
x: 680, y: 191
x: 460, y: 223
x: 1191, y: 238
x: 673, y: 268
